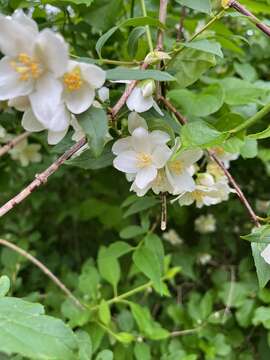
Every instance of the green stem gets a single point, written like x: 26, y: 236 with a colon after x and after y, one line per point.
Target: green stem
x: 206, y: 26
x: 148, y: 33
x: 257, y: 117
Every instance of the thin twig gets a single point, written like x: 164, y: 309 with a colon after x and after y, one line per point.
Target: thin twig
x: 12, y: 143
x: 180, y: 31
x: 162, y: 18
x: 163, y: 222
x: 230, y: 295
x: 44, y: 269
x: 41, y: 178
x: 232, y: 181
x: 244, y: 11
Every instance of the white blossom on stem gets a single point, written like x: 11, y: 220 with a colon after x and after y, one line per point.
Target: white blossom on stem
x: 224, y: 156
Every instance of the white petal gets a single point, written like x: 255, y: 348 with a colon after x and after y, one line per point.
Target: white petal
x: 56, y: 137
x: 140, y: 192
x: 157, y: 108
x: 189, y: 157
x: 15, y: 38
x: 266, y: 254
x: 20, y: 103
x: 30, y: 122
x: 10, y: 84
x: 79, y: 100
x: 126, y: 162
x: 137, y: 102
x: 140, y: 140
x: 61, y: 119
x: 104, y: 94
x: 159, y: 137
x: 25, y: 20
x: 186, y: 199
x: 135, y: 121
x: 46, y: 99
x: 52, y: 51
x: 121, y: 145
x: 161, y: 155
x: 93, y: 74
x: 145, y: 176
x: 180, y: 183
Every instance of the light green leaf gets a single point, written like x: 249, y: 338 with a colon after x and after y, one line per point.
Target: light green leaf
x: 259, y: 235
x: 262, y: 268
x: 201, y: 134
x: 105, y: 355
x: 118, y: 249
x: 199, y: 5
x: 124, y: 337
x: 81, y: 2
x: 249, y: 149
x: 95, y: 124
x: 131, y: 231
x: 142, y: 351
x: 89, y: 281
x: 25, y: 330
x: 209, y: 46
x: 104, y: 312
x: 262, y: 316
x: 207, y: 102
x: 265, y: 134
x: 137, y: 74
x: 189, y: 65
x: 84, y: 344
x: 4, y: 285
x: 133, y: 40
x: 109, y: 267
x: 150, y: 328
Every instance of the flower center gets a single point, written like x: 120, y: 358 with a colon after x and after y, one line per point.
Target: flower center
x: 219, y: 150
x: 73, y: 80
x: 27, y: 67
x: 198, y: 195
x: 144, y: 160
x: 176, y: 166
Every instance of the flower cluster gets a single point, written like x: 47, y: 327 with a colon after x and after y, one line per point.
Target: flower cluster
x: 149, y: 163
x: 38, y: 78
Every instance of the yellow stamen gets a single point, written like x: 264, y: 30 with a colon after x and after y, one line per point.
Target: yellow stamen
x: 176, y: 166
x: 73, y: 80
x: 198, y: 195
x: 144, y: 160
x: 27, y: 67
x: 218, y: 150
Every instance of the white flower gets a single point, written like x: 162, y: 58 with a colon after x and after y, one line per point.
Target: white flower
x: 262, y: 206
x: 180, y: 169
x: 26, y: 153
x: 32, y: 124
x: 172, y: 237
x: 207, y: 192
x: 224, y: 156
x: 204, y: 259
x: 80, y: 82
x: 32, y: 66
x: 142, y: 154
x: 266, y: 254
x: 205, y: 224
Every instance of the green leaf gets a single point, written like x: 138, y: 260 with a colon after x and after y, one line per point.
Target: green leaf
x: 81, y: 2
x: 131, y: 231
x: 150, y: 328
x: 25, y: 330
x: 189, y: 65
x: 76, y: 316
x: 262, y: 268
x: 87, y: 161
x: 109, y: 267
x: 121, y: 73
x: 209, y: 46
x: 142, y: 351
x: 4, y: 285
x: 137, y: 21
x: 265, y: 134
x: 199, y: 5
x: 141, y: 204
x: 262, y: 316
x: 105, y: 355
x: 249, y: 149
x: 124, y: 337
x: 149, y: 260
x: 95, y: 124
x: 84, y: 344
x: 104, y: 312
x: 89, y: 281
x: 118, y: 249
x: 259, y: 235
x: 133, y: 40
x: 207, y: 102
x: 201, y: 134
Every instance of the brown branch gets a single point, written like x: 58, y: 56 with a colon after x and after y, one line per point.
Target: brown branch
x: 41, y: 178
x: 44, y: 269
x: 180, y: 32
x: 244, y: 11
x: 162, y: 18
x: 12, y: 143
x: 232, y: 181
